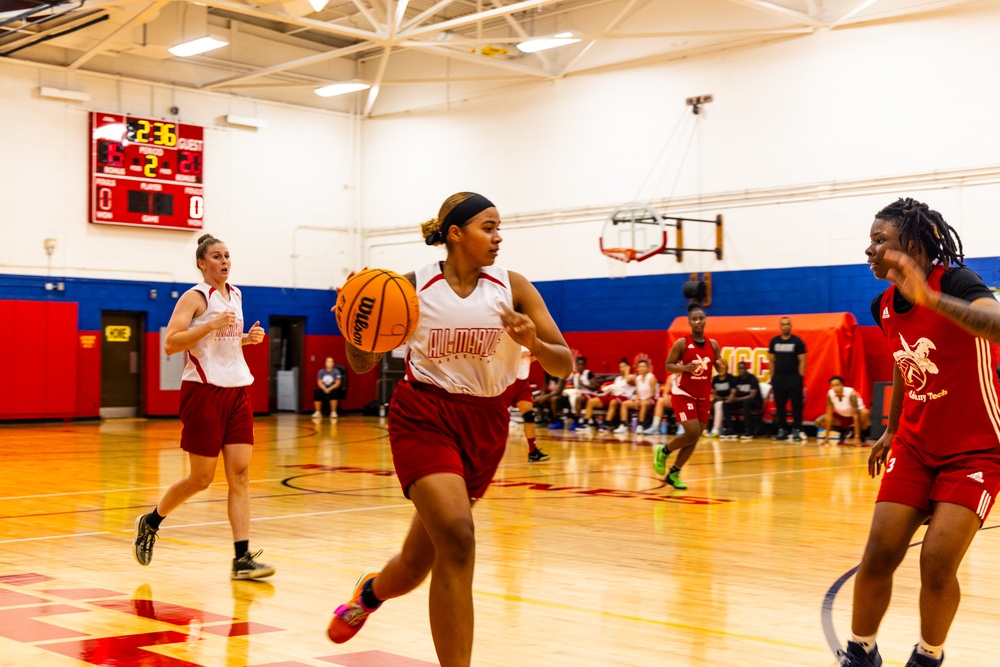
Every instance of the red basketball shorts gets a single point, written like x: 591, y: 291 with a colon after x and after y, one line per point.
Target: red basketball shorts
x: 214, y: 416
x: 841, y: 421
x: 607, y: 398
x: 687, y: 408
x: 917, y: 478
x: 432, y: 431
x: 518, y: 392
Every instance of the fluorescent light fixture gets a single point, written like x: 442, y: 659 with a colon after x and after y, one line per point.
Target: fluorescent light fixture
x: 318, y: 5
x: 543, y: 43
x: 247, y: 121
x: 341, y: 89
x: 196, y: 46
x: 59, y: 94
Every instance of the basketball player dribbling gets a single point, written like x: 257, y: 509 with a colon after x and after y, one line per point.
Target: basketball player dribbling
x: 448, y: 421
x: 941, y: 447
x: 215, y: 411
x: 693, y: 358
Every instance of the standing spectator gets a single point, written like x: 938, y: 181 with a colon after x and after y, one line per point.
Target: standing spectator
x: 743, y: 403
x: 787, y: 354
x: 722, y: 386
x: 846, y: 409
x: 328, y: 389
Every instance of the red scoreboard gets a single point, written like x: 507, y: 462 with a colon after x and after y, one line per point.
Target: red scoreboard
x: 146, y: 172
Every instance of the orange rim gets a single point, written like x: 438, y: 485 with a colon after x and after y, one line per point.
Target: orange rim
x: 621, y: 254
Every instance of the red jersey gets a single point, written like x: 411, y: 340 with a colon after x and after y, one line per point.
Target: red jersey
x: 699, y: 383
x: 950, y: 404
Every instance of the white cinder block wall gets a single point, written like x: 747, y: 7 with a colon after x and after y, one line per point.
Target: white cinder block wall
x: 806, y: 139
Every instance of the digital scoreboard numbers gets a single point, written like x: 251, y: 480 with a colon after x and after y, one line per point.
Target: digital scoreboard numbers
x: 146, y: 172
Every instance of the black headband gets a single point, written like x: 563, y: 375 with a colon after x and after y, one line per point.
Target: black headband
x: 468, y: 209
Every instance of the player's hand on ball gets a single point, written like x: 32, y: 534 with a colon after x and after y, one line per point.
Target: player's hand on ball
x: 518, y: 326
x: 256, y: 333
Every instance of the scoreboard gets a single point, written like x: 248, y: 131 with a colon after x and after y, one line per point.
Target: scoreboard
x: 146, y: 172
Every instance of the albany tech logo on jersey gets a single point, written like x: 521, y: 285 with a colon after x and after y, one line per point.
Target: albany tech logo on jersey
x: 914, y: 362
x: 703, y: 364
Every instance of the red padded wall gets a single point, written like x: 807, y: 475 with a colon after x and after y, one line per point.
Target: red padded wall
x: 88, y: 374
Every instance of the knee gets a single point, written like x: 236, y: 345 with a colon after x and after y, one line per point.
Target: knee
x: 199, y: 481
x: 457, y: 542
x: 938, y: 572
x: 881, y: 558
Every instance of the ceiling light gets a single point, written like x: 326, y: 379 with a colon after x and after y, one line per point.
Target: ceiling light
x: 340, y: 89
x: 543, y: 43
x: 318, y: 5
x: 196, y: 46
x: 59, y: 94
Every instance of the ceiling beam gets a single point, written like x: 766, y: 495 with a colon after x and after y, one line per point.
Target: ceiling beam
x: 857, y: 9
x: 426, y: 14
x: 366, y: 12
x: 626, y: 10
x: 441, y: 26
x: 524, y: 70
x: 778, y: 10
x: 69, y: 24
x: 150, y: 10
x: 290, y: 65
x: 390, y: 38
x: 312, y: 24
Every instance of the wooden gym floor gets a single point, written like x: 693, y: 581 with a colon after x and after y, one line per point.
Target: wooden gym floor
x: 585, y: 560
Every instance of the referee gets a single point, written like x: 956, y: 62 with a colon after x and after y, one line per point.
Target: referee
x: 787, y: 354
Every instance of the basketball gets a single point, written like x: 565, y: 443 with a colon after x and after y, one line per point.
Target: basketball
x: 377, y: 310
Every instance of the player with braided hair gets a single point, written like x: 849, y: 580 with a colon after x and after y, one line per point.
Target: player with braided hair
x: 941, y: 447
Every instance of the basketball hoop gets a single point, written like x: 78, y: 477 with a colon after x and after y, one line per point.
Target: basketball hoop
x: 618, y: 259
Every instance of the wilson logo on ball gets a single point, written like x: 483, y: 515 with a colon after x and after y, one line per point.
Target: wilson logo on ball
x: 365, y: 309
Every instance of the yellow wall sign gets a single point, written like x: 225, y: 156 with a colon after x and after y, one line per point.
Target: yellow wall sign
x: 117, y: 334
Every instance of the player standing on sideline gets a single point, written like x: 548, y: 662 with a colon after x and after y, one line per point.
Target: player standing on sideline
x: 787, y: 357
x: 519, y: 396
x: 448, y: 422
x: 694, y: 359
x: 943, y: 326
x: 207, y: 325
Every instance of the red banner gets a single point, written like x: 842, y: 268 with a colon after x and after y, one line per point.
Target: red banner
x: 833, y: 347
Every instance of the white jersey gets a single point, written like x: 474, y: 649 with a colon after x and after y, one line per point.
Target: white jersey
x: 524, y: 370
x: 620, y: 388
x: 460, y: 344
x: 842, y: 406
x: 644, y: 389
x: 218, y: 357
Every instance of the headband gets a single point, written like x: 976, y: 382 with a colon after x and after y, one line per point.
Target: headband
x: 468, y: 209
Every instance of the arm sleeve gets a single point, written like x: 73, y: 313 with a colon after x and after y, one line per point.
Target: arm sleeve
x: 964, y: 284
x: 800, y: 346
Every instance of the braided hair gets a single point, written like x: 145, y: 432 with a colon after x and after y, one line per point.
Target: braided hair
x: 917, y: 221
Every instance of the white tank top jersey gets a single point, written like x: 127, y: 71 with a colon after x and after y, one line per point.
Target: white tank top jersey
x: 524, y: 370
x: 644, y: 389
x: 459, y: 344
x: 842, y: 406
x: 217, y: 358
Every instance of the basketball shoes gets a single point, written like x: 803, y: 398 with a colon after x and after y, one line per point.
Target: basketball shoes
x: 856, y: 656
x: 674, y: 480
x: 660, y: 455
x: 349, y: 618
x: 918, y: 659
x: 537, y: 456
x: 248, y: 567
x: 145, y: 538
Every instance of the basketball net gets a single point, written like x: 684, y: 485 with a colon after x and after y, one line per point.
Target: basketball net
x: 618, y: 261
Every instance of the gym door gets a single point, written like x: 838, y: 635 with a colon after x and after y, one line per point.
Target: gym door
x: 121, y: 364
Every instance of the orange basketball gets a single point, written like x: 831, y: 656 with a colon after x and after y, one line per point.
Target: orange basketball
x: 377, y: 310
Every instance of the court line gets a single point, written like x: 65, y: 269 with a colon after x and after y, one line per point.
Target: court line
x: 217, y: 523
x: 102, y: 491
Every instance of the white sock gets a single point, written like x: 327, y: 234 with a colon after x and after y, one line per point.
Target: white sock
x: 867, y: 643
x: 656, y: 423
x: 923, y: 648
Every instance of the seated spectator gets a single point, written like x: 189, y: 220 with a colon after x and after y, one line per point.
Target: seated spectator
x: 663, y: 408
x: 548, y: 399
x: 845, y: 411
x: 743, y: 404
x: 610, y: 396
x: 581, y: 385
x: 722, y: 386
x: 329, y: 390
x: 645, y: 395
